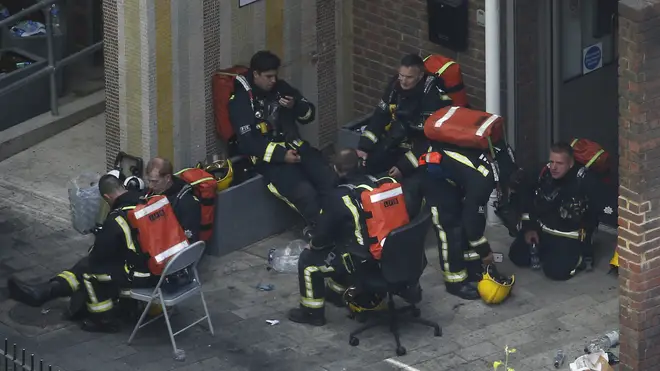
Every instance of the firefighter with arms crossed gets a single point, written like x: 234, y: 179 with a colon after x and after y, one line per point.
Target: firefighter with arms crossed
x: 394, y: 137
x: 264, y: 111
x: 560, y: 212
x: 112, y: 263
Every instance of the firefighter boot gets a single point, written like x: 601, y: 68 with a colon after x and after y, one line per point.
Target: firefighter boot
x: 314, y: 317
x: 36, y: 295
x: 463, y: 290
x: 101, y: 322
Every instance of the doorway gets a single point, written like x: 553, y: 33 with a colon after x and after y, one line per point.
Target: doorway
x: 582, y: 74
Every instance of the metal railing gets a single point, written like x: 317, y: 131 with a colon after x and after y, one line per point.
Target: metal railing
x: 14, y: 362
x: 53, y: 65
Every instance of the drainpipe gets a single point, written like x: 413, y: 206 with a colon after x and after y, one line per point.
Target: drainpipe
x: 493, y: 90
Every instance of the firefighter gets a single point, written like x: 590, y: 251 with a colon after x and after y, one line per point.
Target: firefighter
x: 112, y: 263
x: 161, y: 180
x: 394, y: 138
x: 264, y: 111
x: 457, y: 186
x: 338, y: 244
x: 560, y: 215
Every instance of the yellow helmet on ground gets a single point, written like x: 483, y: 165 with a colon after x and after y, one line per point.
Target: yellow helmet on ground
x: 494, y: 287
x: 223, y: 171
x: 614, y: 262
x: 359, y: 302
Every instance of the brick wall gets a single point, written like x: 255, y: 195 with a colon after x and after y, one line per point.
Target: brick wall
x: 384, y: 30
x: 639, y: 193
x: 326, y: 40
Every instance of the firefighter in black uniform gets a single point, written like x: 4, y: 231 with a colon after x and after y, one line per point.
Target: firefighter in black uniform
x: 338, y: 246
x: 457, y: 186
x: 161, y: 180
x: 394, y: 138
x: 113, y: 262
x: 559, y: 216
x: 263, y: 111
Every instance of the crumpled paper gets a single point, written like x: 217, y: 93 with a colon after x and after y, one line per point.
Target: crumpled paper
x: 592, y: 362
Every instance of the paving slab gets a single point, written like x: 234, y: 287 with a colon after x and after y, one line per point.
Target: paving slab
x: 540, y: 317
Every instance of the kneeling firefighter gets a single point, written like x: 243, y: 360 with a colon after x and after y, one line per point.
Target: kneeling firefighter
x: 347, y: 240
x: 111, y: 263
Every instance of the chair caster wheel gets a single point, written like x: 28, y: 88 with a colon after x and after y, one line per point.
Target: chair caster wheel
x: 437, y: 331
x: 401, y: 351
x: 353, y: 341
x: 416, y: 312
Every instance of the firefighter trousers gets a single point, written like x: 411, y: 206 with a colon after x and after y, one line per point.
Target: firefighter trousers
x: 315, y: 267
x: 459, y: 263
x: 301, y: 185
x: 561, y: 256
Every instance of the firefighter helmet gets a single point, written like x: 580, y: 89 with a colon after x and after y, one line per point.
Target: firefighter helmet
x: 223, y: 172
x: 614, y: 262
x: 494, y: 287
x: 134, y: 183
x: 359, y: 302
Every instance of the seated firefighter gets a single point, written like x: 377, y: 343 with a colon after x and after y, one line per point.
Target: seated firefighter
x: 263, y: 111
x: 112, y: 263
x: 558, y: 217
x: 161, y: 180
x: 340, y: 245
x: 394, y: 137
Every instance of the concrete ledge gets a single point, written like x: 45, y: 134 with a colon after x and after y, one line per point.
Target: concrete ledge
x: 29, y: 133
x: 247, y: 213
x: 348, y: 136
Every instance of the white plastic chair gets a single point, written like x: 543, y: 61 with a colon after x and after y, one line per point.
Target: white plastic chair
x: 187, y: 258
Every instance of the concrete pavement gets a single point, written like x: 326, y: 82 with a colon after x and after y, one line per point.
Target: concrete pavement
x: 38, y: 241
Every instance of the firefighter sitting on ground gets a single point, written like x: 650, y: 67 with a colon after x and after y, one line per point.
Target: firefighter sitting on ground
x: 342, y: 242
x: 394, y: 138
x: 558, y: 217
x: 263, y: 111
x: 113, y: 262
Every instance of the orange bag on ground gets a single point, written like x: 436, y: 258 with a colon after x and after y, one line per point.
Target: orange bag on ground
x: 385, y: 210
x: 591, y: 154
x: 464, y: 127
x: 451, y: 74
x: 205, y: 189
x: 158, y: 231
x: 223, y: 88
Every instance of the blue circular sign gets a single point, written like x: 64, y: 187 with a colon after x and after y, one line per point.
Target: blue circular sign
x: 592, y: 57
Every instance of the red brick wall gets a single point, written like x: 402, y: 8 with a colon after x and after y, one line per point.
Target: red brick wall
x: 639, y: 178
x: 385, y: 30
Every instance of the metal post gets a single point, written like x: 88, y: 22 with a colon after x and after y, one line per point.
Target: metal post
x: 54, y: 108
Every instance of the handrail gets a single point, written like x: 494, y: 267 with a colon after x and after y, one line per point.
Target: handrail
x: 53, y: 65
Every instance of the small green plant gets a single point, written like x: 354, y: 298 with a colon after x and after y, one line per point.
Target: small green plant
x: 498, y: 364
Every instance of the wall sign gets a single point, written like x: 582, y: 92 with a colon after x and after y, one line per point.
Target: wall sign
x: 592, y: 58
x: 242, y: 3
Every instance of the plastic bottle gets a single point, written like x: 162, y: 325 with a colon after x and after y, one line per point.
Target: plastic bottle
x: 604, y: 343
x: 534, y: 257
x: 55, y: 16
x: 559, y: 358
x: 285, y: 259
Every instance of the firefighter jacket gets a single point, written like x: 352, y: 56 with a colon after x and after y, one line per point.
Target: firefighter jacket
x: 398, y: 120
x: 564, y: 207
x: 186, y: 207
x: 261, y: 124
x: 114, y: 247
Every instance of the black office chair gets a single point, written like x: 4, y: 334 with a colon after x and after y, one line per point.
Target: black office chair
x: 402, y: 262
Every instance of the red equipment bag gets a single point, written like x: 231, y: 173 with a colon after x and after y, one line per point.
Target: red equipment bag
x: 223, y: 89
x: 205, y: 189
x: 464, y: 127
x: 591, y: 155
x: 450, y: 72
x: 385, y: 209
x: 158, y: 231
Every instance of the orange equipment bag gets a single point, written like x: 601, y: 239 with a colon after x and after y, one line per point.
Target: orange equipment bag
x: 158, y: 231
x: 464, y: 127
x: 223, y: 89
x: 204, y: 188
x: 591, y: 155
x: 384, y: 208
x: 450, y: 72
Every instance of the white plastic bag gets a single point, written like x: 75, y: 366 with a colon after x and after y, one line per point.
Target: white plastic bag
x: 285, y: 259
x: 84, y: 201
